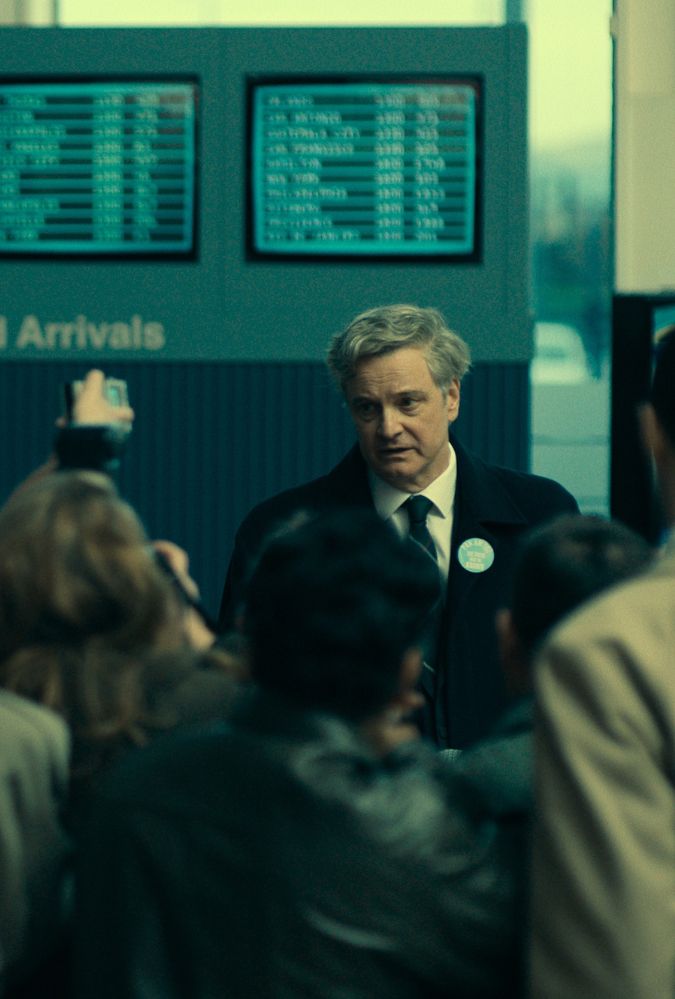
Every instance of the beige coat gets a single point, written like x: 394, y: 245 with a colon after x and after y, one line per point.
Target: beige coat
x: 34, y: 748
x: 603, y: 901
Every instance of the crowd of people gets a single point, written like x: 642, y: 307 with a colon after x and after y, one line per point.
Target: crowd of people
x: 427, y: 750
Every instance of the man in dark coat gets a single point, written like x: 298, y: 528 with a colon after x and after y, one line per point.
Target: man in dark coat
x: 399, y: 368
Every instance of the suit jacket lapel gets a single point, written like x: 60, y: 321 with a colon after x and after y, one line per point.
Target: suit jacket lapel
x: 481, y: 506
x: 347, y: 484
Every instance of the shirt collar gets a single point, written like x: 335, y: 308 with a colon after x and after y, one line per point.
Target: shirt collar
x: 441, y: 491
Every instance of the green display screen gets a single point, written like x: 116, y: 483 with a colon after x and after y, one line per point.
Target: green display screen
x: 98, y: 167
x: 365, y: 168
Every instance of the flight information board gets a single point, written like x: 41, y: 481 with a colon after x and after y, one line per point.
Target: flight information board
x: 365, y: 168
x: 97, y: 167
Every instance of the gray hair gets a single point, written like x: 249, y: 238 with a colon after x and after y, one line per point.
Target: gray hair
x: 391, y: 327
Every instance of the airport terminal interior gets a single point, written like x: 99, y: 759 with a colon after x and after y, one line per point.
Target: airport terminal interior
x: 302, y: 241
x: 561, y: 191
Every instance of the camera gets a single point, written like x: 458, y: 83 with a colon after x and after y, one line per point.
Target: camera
x: 114, y: 389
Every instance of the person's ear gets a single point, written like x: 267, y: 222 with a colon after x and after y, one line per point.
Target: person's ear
x: 411, y: 667
x: 409, y: 672
x: 388, y: 728
x: 453, y: 399
x: 653, y: 437
x: 407, y: 698
x: 515, y: 663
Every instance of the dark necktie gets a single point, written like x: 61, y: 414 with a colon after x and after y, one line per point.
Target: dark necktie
x: 418, y: 507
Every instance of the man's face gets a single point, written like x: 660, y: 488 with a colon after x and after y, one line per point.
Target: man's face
x: 401, y: 417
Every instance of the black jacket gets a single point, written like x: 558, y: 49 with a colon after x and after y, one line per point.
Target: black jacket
x: 495, y: 504
x: 497, y: 776
x: 277, y: 858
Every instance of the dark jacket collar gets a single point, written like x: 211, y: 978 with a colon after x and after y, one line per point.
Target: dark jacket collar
x: 347, y: 483
x: 480, y: 488
x: 482, y: 492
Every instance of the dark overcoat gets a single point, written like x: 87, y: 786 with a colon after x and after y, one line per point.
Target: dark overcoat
x: 496, y: 505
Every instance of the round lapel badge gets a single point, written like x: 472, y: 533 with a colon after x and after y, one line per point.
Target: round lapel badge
x: 476, y: 554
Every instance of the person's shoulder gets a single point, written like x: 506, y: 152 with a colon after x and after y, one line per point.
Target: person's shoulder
x: 343, y: 485
x: 637, y: 610
x: 535, y: 494
x: 535, y: 497
x: 528, y: 484
x: 281, y: 506
x: 498, y: 770
x: 171, y: 777
x: 621, y: 641
x: 29, y: 731
x: 183, y: 687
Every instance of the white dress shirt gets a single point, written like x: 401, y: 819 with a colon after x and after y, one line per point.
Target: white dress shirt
x: 389, y: 503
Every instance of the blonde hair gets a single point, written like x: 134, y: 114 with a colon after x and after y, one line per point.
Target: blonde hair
x: 80, y: 598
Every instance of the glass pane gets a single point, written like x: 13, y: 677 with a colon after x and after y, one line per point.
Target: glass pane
x: 570, y: 131
x: 350, y: 12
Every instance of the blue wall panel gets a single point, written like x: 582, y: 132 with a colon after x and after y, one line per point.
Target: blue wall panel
x: 212, y: 439
x: 224, y: 305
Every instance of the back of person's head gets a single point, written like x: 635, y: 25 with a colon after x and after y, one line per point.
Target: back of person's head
x: 391, y: 327
x: 662, y: 395
x: 76, y: 575
x: 565, y: 562
x: 331, y: 610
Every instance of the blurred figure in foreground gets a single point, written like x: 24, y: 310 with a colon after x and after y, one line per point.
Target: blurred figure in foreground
x: 560, y: 565
x: 103, y: 629
x: 603, y: 907
x: 35, y: 746
x: 34, y: 749
x: 92, y: 626
x: 308, y: 847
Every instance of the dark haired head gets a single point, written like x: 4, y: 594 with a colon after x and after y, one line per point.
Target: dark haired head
x: 662, y: 395
x: 565, y: 562
x: 331, y: 609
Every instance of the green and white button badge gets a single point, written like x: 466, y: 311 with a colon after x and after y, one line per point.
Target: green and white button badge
x: 476, y: 555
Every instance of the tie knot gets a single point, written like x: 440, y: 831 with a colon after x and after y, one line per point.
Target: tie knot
x: 418, y: 507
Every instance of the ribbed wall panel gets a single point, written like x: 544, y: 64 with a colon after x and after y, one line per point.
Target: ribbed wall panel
x: 495, y: 413
x: 210, y: 440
